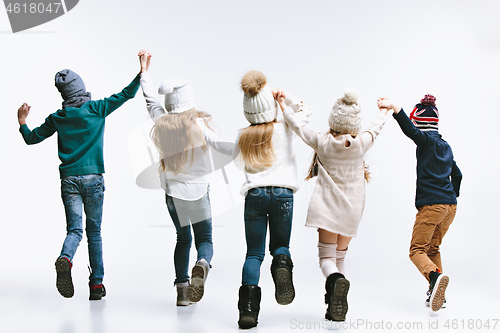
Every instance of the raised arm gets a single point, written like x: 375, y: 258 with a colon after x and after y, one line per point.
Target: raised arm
x: 155, y: 108
x: 38, y: 134
x: 404, y: 122
x: 297, y: 115
x: 106, y: 106
x: 214, y: 141
x: 370, y: 134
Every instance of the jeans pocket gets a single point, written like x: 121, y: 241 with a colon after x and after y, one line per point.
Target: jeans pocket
x: 94, y: 195
x: 252, y: 205
x: 69, y: 199
x: 69, y: 192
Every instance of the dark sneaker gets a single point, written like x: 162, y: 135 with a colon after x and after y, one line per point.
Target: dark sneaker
x: 198, y: 277
x: 337, y: 287
x: 281, y: 270
x: 438, y: 284
x: 97, y: 292
x: 64, y: 283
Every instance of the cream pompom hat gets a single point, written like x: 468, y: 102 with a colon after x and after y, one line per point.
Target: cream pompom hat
x: 345, y: 117
x: 259, y: 105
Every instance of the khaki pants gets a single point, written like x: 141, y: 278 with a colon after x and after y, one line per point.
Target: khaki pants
x: 431, y: 224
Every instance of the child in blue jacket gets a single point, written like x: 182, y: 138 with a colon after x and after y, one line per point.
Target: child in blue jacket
x: 438, y: 186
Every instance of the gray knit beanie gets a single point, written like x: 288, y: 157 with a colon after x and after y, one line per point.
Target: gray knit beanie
x: 259, y: 105
x: 69, y: 84
x: 345, y: 116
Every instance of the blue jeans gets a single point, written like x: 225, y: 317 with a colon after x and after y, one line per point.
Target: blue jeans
x: 186, y: 214
x: 89, y: 191
x: 263, y: 205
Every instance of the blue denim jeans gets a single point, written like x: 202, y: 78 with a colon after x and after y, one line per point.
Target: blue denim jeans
x: 263, y: 205
x: 86, y: 190
x: 186, y: 215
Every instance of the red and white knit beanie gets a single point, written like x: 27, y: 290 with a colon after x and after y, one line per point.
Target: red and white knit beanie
x: 425, y: 115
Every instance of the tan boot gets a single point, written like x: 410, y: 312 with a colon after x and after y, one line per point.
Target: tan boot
x: 182, y: 294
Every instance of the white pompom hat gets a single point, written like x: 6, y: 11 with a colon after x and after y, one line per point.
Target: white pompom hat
x: 179, y: 96
x: 259, y: 105
x: 346, y: 116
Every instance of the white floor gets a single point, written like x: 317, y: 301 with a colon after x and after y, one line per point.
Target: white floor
x: 386, y: 293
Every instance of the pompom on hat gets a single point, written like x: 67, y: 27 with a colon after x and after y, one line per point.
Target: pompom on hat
x: 69, y: 84
x: 179, y: 96
x: 345, y: 117
x: 425, y: 115
x: 259, y: 105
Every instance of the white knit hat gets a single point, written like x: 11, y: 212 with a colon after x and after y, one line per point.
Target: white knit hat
x: 179, y: 96
x: 345, y: 116
x: 259, y: 105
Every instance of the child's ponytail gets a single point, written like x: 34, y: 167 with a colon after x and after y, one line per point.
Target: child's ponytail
x: 366, y: 172
x: 313, y: 169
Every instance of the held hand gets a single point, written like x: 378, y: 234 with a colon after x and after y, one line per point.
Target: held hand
x: 385, y: 103
x: 281, y: 100
x: 144, y: 60
x: 22, y: 113
x: 275, y: 92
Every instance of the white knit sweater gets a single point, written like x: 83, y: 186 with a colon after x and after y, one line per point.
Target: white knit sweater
x: 283, y: 173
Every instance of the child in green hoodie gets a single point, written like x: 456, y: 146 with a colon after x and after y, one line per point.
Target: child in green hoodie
x: 80, y: 132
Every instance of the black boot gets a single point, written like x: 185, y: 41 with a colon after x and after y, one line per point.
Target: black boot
x: 249, y: 306
x: 281, y: 270
x: 337, y: 287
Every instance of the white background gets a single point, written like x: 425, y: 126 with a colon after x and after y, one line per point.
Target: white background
x: 313, y: 49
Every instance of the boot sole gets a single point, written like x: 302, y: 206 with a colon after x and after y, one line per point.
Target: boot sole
x: 247, y: 321
x: 338, y: 303
x: 197, y: 286
x: 437, y: 296
x: 285, y: 292
x: 64, y: 283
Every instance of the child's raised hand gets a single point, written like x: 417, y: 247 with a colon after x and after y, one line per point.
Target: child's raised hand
x: 385, y: 103
x: 144, y: 60
x: 280, y: 97
x: 22, y: 113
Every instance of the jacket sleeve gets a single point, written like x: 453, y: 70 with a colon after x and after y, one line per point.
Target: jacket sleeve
x: 409, y: 129
x: 154, y: 107
x: 370, y: 134
x: 38, y: 134
x: 106, y: 106
x: 456, y: 178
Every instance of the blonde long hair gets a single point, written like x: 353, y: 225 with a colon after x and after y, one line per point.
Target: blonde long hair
x: 313, y: 169
x: 255, y: 143
x: 176, y: 135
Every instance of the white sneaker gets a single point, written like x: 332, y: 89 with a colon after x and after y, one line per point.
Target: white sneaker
x: 436, y: 292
